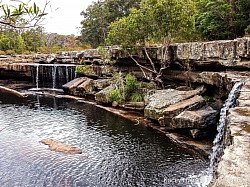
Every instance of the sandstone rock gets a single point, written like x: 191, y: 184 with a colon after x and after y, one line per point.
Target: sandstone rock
x: 158, y: 101
x: 100, y: 84
x: 196, y: 119
x: 70, y: 86
x: 102, y: 96
x: 173, y: 110
x: 134, y: 105
x: 85, y: 87
x: 61, y: 147
x: 79, y: 87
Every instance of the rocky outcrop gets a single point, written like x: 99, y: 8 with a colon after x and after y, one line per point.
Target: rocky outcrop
x: 103, y: 95
x: 234, y: 167
x: 175, y: 109
x: 84, y: 86
x: 159, y: 100
x: 58, y: 146
x: 201, y: 118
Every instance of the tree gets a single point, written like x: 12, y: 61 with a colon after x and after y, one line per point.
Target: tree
x: 155, y: 21
x: 21, y: 15
x: 34, y: 38
x: 99, y: 15
x: 222, y: 19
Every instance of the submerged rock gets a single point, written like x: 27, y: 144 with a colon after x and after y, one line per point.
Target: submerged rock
x: 58, y: 146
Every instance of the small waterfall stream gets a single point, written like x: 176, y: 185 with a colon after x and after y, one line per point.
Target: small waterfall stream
x: 218, y: 143
x: 52, y: 75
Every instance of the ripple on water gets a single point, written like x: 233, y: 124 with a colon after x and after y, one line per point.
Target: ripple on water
x: 115, y: 152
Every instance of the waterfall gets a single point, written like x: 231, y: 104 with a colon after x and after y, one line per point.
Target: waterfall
x: 218, y: 146
x: 218, y: 143
x: 37, y: 76
x: 52, y: 75
x: 67, y: 74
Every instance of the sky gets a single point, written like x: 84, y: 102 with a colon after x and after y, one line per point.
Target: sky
x: 64, y: 16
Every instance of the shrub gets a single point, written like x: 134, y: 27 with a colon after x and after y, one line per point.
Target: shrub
x: 137, y: 97
x: 9, y: 52
x: 115, y: 95
x: 126, y: 89
x: 2, y: 52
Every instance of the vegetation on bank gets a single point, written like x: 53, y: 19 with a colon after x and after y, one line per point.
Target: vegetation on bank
x: 120, y: 21
x: 126, y: 88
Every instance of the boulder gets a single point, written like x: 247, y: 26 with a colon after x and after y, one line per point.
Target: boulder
x: 103, y: 95
x: 159, y: 100
x: 100, y: 84
x: 173, y: 110
x: 79, y: 87
x: 58, y: 146
x: 196, y: 119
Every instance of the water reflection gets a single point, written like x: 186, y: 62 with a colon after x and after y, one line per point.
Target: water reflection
x: 115, y: 152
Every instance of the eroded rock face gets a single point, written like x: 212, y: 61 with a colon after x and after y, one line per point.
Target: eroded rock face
x: 158, y: 101
x: 58, y: 146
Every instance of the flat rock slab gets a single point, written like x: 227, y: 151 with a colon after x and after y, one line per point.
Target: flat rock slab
x: 161, y: 99
x: 172, y: 111
x: 58, y: 146
x: 197, y: 119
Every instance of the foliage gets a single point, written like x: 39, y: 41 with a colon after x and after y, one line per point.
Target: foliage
x: 247, y: 30
x: 126, y: 88
x: 20, y: 15
x: 153, y: 21
x: 88, y: 70
x: 222, y: 19
x: 99, y: 15
x: 208, y: 98
x: 137, y: 97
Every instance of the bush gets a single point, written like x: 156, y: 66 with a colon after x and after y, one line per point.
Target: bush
x: 137, y: 97
x: 127, y: 89
x: 247, y: 30
x: 10, y: 52
x: 88, y: 70
x: 115, y: 95
x: 2, y: 52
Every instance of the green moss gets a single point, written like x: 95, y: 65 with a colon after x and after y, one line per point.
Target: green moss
x: 137, y: 97
x: 208, y: 98
x: 88, y: 70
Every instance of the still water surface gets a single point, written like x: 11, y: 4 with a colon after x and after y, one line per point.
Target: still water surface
x: 115, y: 151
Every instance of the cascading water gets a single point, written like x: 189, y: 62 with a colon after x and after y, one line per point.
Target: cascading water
x: 218, y: 143
x: 37, y: 76
x: 52, y: 75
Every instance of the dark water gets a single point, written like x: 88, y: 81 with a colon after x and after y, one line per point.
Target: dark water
x: 115, y: 151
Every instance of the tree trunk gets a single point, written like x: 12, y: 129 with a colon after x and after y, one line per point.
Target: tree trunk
x: 13, y: 92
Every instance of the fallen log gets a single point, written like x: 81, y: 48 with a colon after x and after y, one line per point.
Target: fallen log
x: 11, y: 91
